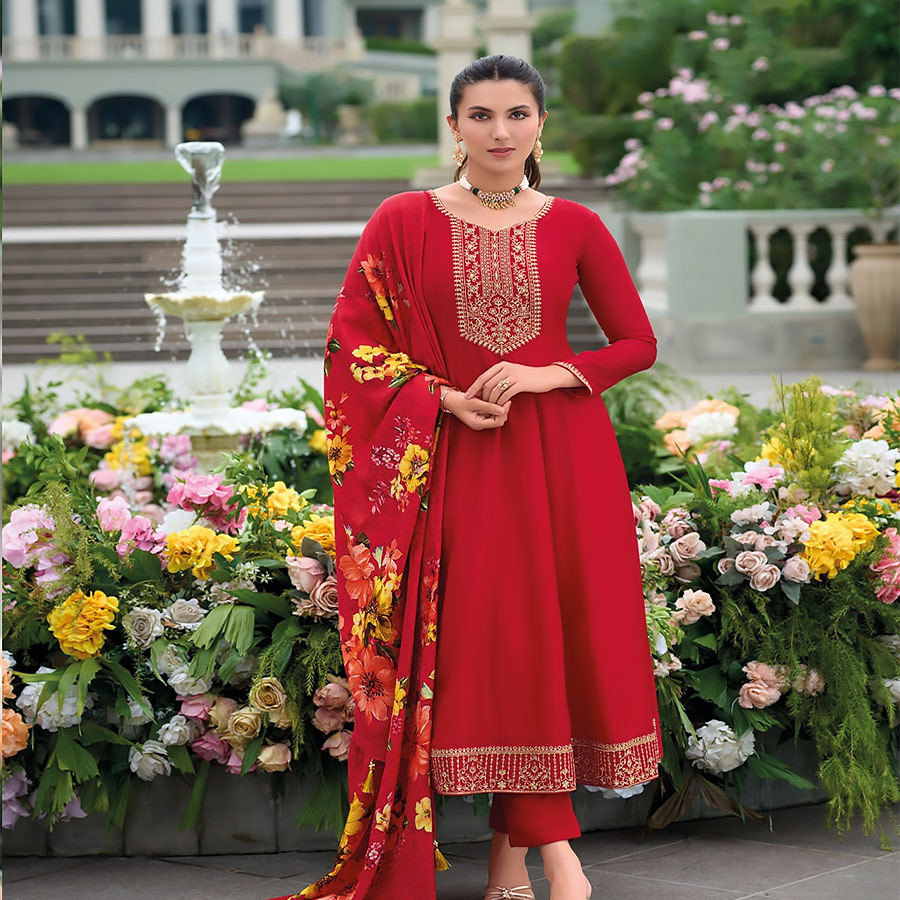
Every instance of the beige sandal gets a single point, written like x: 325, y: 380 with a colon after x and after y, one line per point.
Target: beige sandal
x: 505, y: 893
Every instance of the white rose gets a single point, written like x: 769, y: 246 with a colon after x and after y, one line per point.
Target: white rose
x: 50, y: 716
x: 711, y: 424
x: 169, y: 660
x: 179, y: 730
x: 149, y: 760
x: 184, y: 614
x: 143, y: 625
x: 14, y: 433
x: 717, y: 749
x: 620, y: 793
x: 176, y: 520
x: 137, y: 714
x: 185, y: 685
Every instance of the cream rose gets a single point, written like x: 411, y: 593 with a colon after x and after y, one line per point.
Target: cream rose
x: 325, y: 597
x: 338, y: 745
x: 149, y: 759
x: 220, y: 712
x: 747, y: 562
x: 327, y: 720
x: 243, y: 725
x: 765, y: 578
x: 725, y: 564
x: 665, y: 562
x: 268, y: 695
x: 274, y: 758
x: 332, y: 696
x: 687, y: 572
x: 184, y: 614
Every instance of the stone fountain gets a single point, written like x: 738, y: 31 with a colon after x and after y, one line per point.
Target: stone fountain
x: 204, y: 305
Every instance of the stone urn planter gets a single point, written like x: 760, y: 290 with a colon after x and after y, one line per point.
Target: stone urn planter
x: 350, y: 124
x: 875, y: 282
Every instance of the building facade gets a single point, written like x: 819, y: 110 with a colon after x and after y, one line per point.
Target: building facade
x: 94, y: 73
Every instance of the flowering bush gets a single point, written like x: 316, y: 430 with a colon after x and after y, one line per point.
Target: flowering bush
x: 769, y: 593
x: 699, y: 143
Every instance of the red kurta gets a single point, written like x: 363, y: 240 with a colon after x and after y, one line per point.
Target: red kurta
x: 544, y: 677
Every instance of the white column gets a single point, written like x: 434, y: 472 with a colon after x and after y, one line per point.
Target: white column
x: 156, y: 27
x: 23, y: 29
x: 90, y: 27
x: 78, y: 128
x: 288, y: 21
x: 174, y: 131
x: 455, y: 44
x: 222, y: 22
x: 507, y: 27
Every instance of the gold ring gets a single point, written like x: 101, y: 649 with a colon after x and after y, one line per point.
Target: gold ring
x: 503, y: 385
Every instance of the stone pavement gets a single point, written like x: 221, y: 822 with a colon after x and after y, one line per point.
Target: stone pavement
x: 790, y: 856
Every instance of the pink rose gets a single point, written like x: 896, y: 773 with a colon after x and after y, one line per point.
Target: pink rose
x: 105, y: 479
x: 649, y: 509
x: 691, y: 605
x: 113, y: 514
x: 197, y: 706
x: 211, y: 747
x: 331, y: 696
x: 235, y: 761
x: 305, y: 573
x: 100, y: 438
x: 763, y: 541
x: 747, y: 562
x: 349, y: 709
x: 665, y: 562
x: 327, y: 720
x: 725, y: 564
x: 338, y: 745
x: 773, y: 676
x: 721, y: 484
x: 747, y: 538
x: 765, y: 578
x: 795, y: 569
x: 314, y: 414
x: 686, y: 547
x: 809, y: 514
x: 678, y: 530
x: 65, y: 424
x: 758, y: 695
x: 808, y: 682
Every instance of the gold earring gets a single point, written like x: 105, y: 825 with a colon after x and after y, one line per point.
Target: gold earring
x: 458, y: 153
x: 538, y: 150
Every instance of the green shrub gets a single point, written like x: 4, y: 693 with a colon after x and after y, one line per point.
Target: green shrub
x: 411, y: 121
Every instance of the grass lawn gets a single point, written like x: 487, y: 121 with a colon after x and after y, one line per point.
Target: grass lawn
x: 317, y: 168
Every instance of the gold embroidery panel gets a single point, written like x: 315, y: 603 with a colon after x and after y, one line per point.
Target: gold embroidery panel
x: 476, y: 770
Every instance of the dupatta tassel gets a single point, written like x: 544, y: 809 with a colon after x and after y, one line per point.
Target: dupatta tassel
x: 369, y: 784
x: 440, y: 861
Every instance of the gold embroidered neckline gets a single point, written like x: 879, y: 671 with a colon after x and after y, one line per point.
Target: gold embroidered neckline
x: 538, y: 215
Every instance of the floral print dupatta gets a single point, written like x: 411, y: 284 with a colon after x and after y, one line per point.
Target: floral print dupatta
x: 382, y: 409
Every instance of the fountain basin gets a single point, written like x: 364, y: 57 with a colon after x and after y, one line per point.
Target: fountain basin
x: 207, y: 306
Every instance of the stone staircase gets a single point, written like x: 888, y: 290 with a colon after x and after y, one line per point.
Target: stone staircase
x: 96, y: 289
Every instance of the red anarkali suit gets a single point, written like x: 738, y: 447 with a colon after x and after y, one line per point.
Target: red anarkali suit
x: 491, y: 611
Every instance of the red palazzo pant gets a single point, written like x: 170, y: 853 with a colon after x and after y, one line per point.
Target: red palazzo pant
x: 534, y: 819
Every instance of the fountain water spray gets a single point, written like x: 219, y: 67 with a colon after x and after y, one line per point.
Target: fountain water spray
x: 204, y: 305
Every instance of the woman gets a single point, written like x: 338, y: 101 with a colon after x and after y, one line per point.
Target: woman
x: 480, y: 497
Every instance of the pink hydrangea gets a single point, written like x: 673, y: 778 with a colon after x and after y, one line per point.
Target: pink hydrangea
x: 762, y: 474
x: 27, y: 537
x: 104, y: 478
x: 809, y: 514
x: 112, y: 514
x: 138, y: 534
x: 175, y: 451
x: 887, y: 569
x: 207, y: 494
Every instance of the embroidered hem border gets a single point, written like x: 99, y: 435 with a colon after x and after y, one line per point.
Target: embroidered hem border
x: 546, y: 769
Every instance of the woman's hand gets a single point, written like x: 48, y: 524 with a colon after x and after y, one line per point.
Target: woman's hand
x: 521, y: 378
x: 475, y: 412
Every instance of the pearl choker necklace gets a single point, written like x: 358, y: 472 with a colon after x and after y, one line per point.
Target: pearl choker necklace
x: 495, y: 199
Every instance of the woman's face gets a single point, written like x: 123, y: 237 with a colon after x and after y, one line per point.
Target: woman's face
x: 499, y: 123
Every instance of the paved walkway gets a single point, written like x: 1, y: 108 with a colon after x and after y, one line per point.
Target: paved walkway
x: 792, y: 856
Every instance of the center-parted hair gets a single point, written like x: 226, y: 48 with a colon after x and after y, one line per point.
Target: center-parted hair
x: 500, y: 67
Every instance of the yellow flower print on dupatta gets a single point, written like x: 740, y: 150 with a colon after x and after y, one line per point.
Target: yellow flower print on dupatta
x: 423, y: 814
x: 414, y: 466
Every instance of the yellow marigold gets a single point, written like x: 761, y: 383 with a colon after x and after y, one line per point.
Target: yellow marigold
x: 414, y: 466
x: 835, y: 540
x: 318, y: 441
x: 194, y: 547
x: 319, y: 528
x: 79, y: 621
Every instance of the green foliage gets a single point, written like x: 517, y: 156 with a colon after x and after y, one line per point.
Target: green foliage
x: 318, y: 95
x: 408, y: 121
x: 397, y: 45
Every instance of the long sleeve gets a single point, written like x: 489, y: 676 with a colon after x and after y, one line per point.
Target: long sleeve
x: 614, y: 300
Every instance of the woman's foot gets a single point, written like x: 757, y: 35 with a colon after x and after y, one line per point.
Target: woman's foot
x: 506, y: 868
x: 563, y: 870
